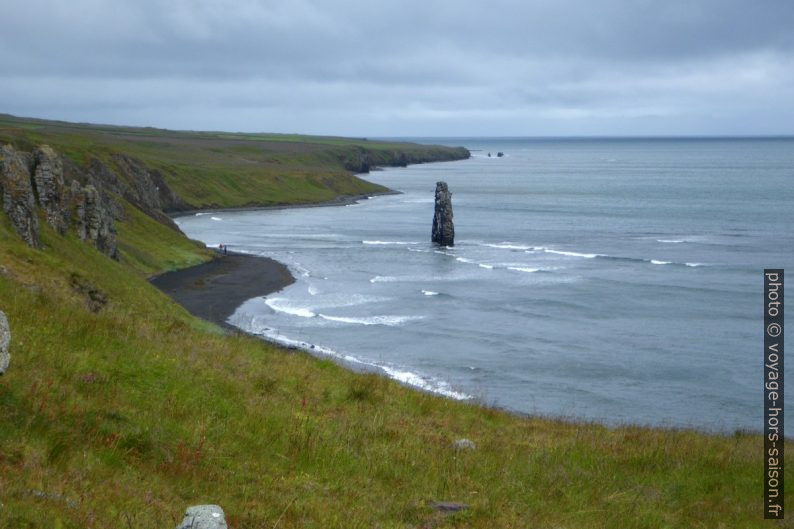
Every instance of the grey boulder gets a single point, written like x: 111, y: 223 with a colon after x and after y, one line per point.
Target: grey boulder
x: 464, y: 444
x: 203, y: 517
x: 5, y: 339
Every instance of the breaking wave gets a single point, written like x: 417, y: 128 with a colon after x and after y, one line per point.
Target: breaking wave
x: 509, y: 246
x: 384, y: 243
x: 281, y: 305
x: 523, y: 269
x: 389, y: 321
x: 426, y: 383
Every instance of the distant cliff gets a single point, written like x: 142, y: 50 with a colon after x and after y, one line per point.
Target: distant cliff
x: 168, y: 171
x: 363, y: 160
x: 85, y: 178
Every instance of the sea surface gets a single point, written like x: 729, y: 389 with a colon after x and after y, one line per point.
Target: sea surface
x: 616, y: 280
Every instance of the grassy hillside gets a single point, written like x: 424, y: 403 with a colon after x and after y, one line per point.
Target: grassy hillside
x: 225, y: 169
x: 120, y: 409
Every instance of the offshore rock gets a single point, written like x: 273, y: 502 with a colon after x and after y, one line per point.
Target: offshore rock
x: 5, y: 340
x: 49, y: 188
x: 443, y: 228
x: 94, y: 220
x: 203, y: 517
x: 17, y: 190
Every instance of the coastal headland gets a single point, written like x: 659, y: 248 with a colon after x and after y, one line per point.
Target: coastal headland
x: 120, y: 408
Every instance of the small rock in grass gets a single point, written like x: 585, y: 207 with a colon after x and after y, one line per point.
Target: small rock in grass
x: 203, y: 517
x: 448, y: 506
x: 464, y: 444
x: 5, y: 339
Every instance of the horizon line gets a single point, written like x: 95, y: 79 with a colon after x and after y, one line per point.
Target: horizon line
x: 736, y: 136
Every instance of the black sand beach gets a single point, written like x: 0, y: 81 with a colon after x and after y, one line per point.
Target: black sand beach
x: 213, y: 290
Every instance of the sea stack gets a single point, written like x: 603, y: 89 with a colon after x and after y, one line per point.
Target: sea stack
x: 443, y: 228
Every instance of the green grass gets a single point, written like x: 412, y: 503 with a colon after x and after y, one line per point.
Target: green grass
x: 153, y: 248
x: 125, y: 416
x: 223, y: 169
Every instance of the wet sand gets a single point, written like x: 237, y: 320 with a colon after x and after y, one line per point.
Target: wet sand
x: 213, y: 290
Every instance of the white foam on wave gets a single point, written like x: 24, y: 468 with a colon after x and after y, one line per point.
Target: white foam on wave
x: 200, y: 214
x: 216, y: 218
x: 572, y: 254
x: 409, y: 378
x: 312, y: 290
x: 464, y: 260
x: 523, y: 269
x: 345, y: 300
x: 487, y: 266
x: 509, y: 246
x: 304, y: 272
x: 432, y: 385
x: 671, y: 241
x: 383, y: 279
x: 429, y: 293
x: 657, y: 262
x: 282, y: 305
x: 386, y: 243
x: 389, y: 321
x: 694, y: 264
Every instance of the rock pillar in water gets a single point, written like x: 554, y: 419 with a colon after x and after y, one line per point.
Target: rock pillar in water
x: 443, y: 228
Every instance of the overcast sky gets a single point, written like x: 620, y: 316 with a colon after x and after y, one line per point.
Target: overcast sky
x: 405, y: 68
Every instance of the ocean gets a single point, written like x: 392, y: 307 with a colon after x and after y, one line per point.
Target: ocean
x: 613, y: 280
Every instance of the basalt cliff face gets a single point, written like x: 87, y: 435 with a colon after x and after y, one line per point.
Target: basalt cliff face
x: 19, y: 202
x: 443, y: 228
x: 88, y: 200
x: 362, y: 160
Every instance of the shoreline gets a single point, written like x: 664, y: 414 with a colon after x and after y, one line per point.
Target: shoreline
x: 341, y: 200
x: 213, y: 290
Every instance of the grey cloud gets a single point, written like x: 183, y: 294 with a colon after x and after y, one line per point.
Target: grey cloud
x: 409, y: 67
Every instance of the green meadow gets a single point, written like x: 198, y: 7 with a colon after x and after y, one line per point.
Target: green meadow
x: 125, y: 414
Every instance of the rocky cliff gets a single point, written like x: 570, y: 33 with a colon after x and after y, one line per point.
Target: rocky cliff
x: 16, y: 185
x: 362, y: 160
x: 51, y: 194
x: 66, y: 195
x: 443, y: 229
